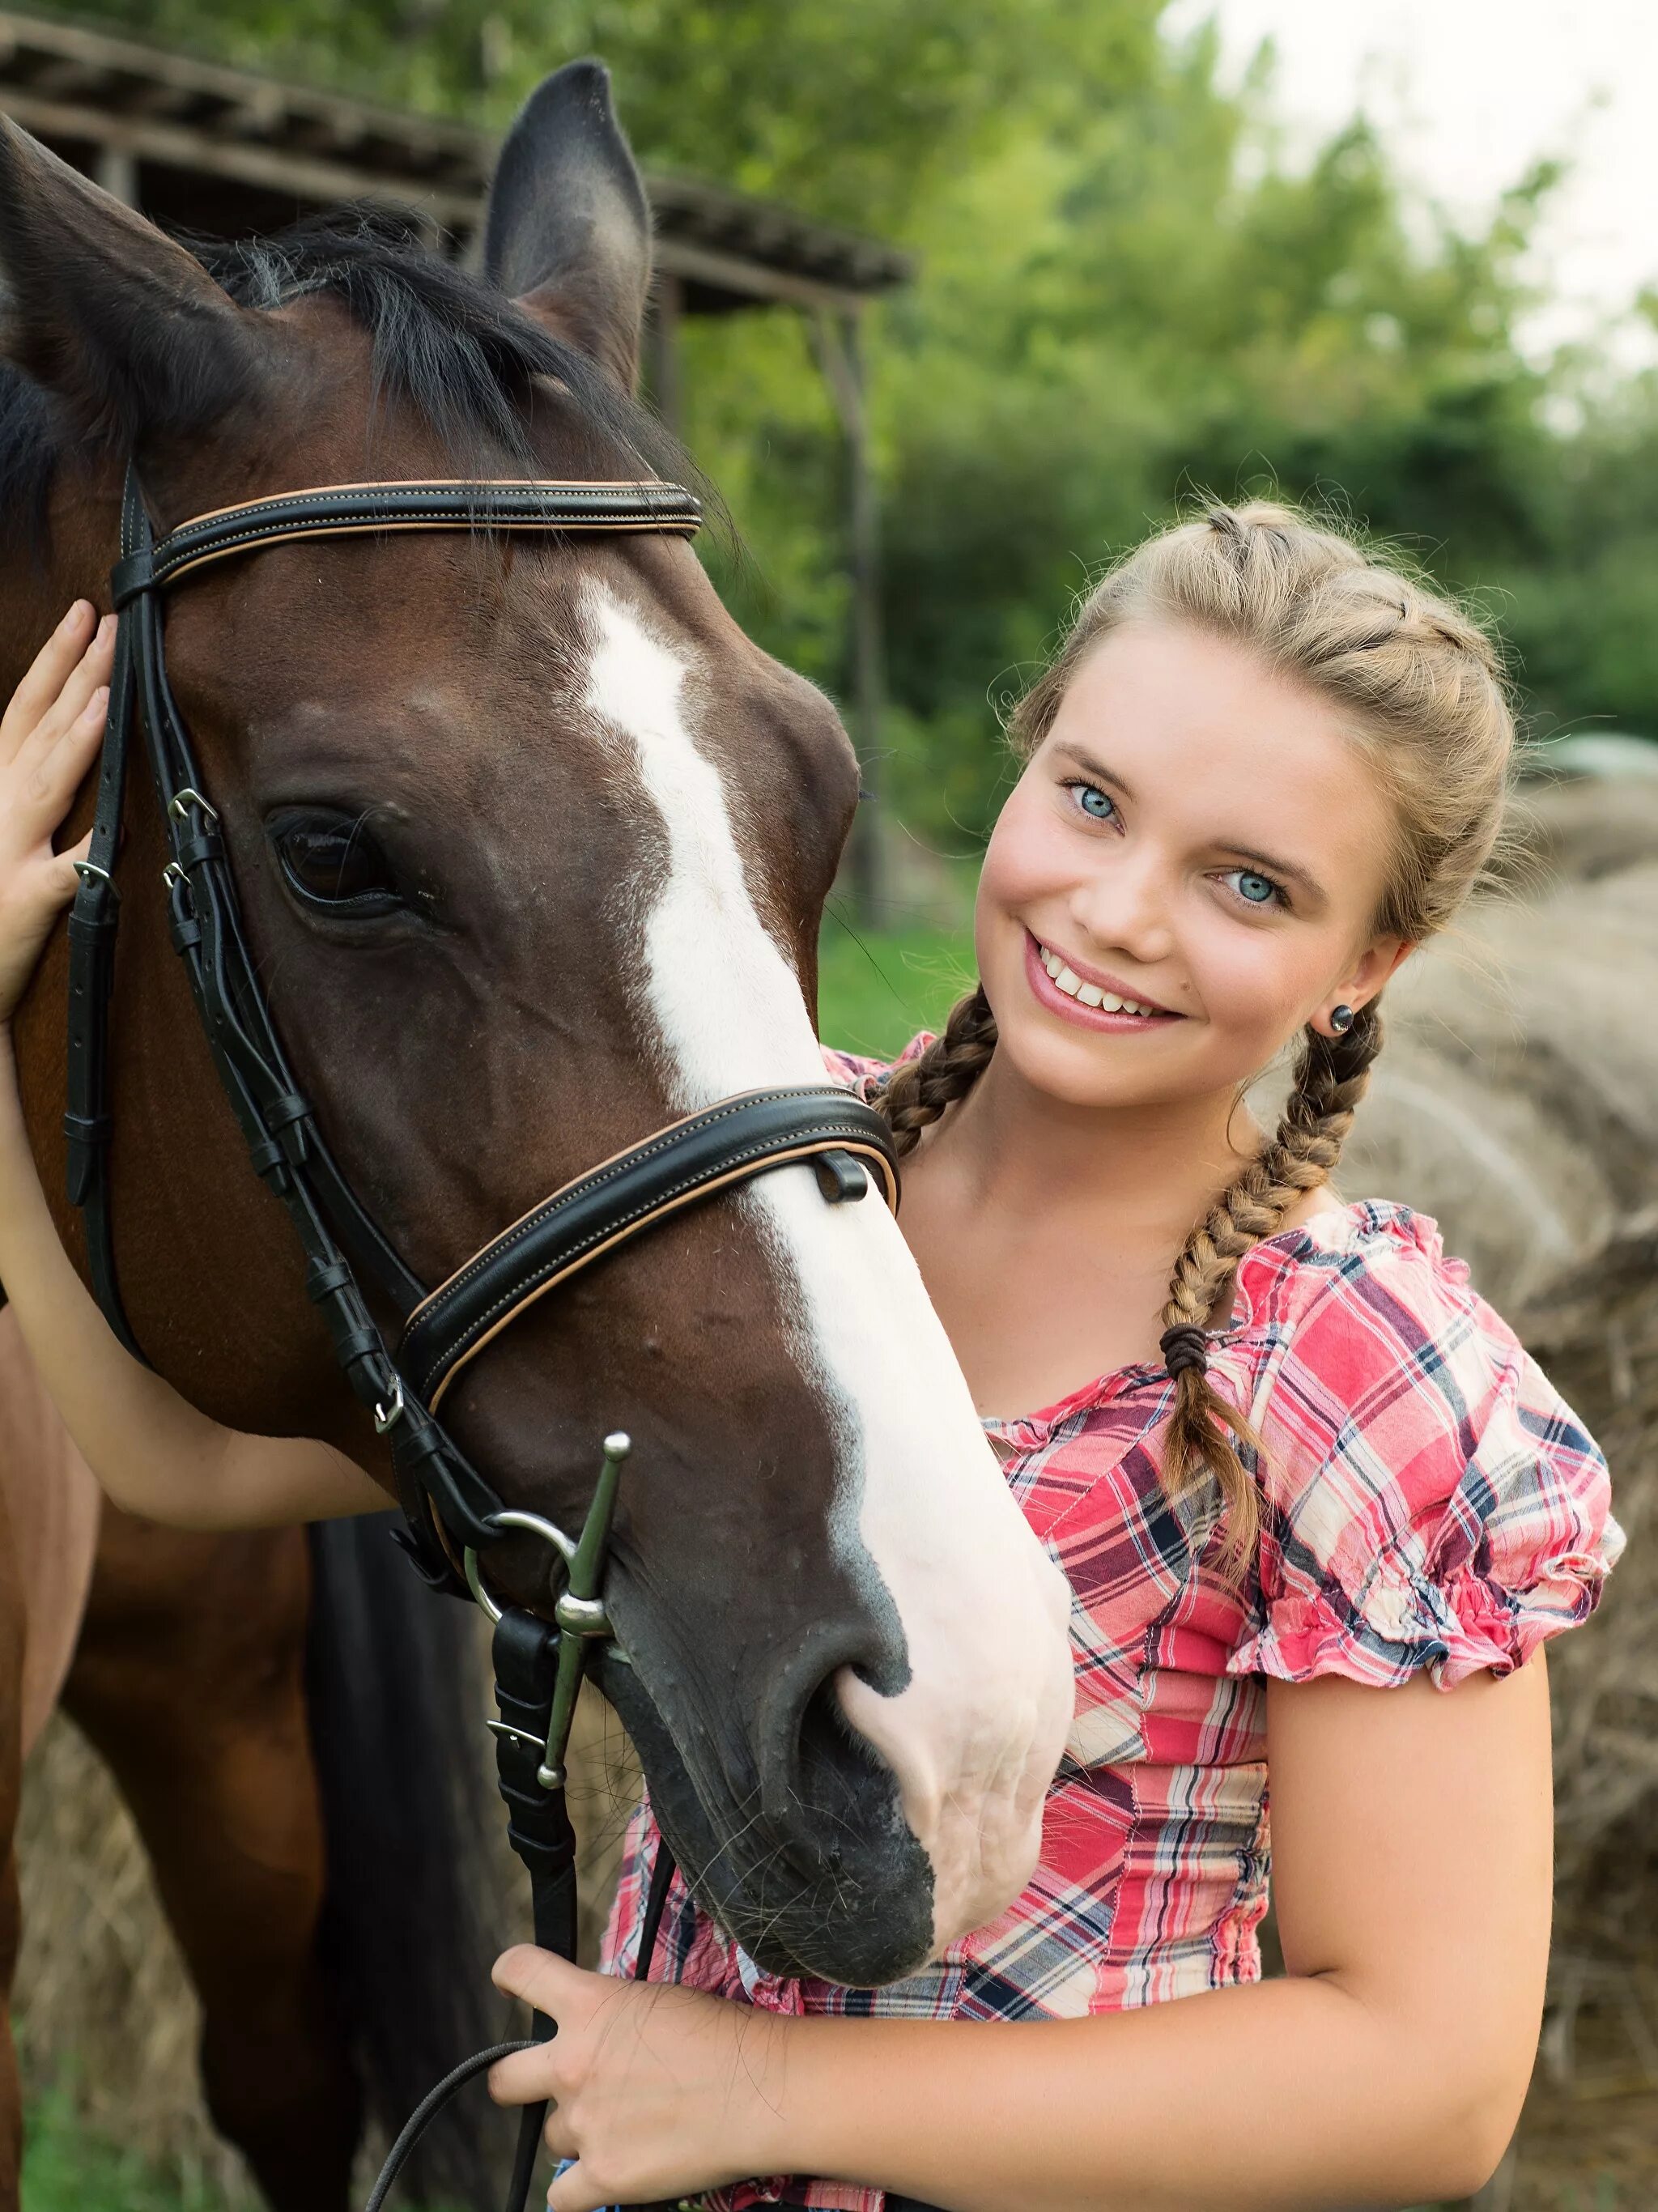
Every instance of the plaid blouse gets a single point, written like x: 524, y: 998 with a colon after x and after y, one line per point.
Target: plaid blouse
x: 1430, y: 1504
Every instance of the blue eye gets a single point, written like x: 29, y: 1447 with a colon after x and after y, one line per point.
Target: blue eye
x: 1094, y: 801
x: 1253, y: 889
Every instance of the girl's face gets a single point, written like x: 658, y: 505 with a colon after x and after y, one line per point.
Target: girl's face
x: 1199, y: 836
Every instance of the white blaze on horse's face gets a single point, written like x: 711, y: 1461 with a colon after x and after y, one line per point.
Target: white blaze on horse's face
x: 974, y: 1737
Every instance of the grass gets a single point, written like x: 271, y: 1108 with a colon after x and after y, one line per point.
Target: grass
x: 66, y: 2170
x: 876, y: 988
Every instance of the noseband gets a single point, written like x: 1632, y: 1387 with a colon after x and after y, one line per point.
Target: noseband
x: 449, y: 1507
x: 451, y: 1511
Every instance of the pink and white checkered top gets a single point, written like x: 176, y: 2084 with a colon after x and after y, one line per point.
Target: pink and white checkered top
x: 1430, y: 1504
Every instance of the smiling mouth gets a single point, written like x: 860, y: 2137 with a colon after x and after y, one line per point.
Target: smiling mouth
x: 1064, y: 979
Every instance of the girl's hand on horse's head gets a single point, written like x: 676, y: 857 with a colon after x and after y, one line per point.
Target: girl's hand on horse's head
x: 657, y: 2092
x: 49, y: 738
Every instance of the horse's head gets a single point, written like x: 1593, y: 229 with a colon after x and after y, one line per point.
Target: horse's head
x: 532, y: 843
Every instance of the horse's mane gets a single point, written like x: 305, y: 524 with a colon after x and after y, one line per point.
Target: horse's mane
x: 446, y: 342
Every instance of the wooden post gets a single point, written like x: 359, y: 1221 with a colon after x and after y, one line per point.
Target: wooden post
x: 662, y: 349
x: 117, y: 171
x: 838, y: 340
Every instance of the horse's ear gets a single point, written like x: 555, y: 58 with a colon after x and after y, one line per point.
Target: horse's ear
x: 128, y: 329
x: 568, y: 228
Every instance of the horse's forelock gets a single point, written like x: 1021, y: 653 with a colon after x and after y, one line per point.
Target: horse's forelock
x: 465, y: 358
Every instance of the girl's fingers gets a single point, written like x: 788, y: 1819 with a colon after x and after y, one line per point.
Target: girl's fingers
x: 91, y: 671
x: 55, y: 774
x: 569, y: 2193
x: 46, y: 677
x: 523, y: 2079
x: 542, y: 1979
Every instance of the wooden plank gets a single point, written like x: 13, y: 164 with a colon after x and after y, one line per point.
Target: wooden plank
x: 304, y: 177
x: 30, y: 35
x: 753, y: 280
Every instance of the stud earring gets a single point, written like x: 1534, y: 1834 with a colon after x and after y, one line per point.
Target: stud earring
x: 1341, y: 1019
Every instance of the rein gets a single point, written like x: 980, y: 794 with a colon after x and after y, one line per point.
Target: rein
x: 451, y: 1513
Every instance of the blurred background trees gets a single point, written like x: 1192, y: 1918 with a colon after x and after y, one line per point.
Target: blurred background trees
x: 1128, y: 294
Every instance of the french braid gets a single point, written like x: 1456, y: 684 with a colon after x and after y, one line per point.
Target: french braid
x: 1331, y: 1075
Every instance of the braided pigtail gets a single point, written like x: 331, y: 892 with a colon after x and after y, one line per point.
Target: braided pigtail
x: 1331, y: 1076
x: 919, y: 1091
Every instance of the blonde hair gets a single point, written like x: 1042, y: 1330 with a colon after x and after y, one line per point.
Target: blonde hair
x: 1421, y: 688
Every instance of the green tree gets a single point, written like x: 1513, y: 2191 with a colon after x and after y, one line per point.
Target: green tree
x: 1127, y: 292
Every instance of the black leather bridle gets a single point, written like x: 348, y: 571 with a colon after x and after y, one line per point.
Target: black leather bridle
x: 443, y: 1328
x: 450, y: 1510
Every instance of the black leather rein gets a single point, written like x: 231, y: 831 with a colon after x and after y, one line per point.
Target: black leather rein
x: 344, y: 1246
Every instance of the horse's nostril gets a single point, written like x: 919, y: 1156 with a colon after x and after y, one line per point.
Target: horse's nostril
x: 838, y: 1786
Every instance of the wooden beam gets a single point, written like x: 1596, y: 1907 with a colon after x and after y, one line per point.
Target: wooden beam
x: 750, y: 280
x: 117, y: 173
x: 662, y: 349
x: 303, y: 176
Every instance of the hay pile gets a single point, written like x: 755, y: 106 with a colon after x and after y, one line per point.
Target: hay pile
x: 1516, y: 1101
x: 102, y: 2005
x: 105, y: 2013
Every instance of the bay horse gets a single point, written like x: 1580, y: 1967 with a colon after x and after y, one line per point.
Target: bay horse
x: 533, y: 844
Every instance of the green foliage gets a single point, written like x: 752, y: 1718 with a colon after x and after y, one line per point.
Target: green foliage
x: 849, y: 107
x: 1127, y: 295
x: 875, y: 988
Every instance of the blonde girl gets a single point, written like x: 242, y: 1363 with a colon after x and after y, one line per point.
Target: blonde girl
x: 1318, y: 1508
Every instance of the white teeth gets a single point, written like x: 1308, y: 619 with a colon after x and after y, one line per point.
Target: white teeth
x: 1089, y: 994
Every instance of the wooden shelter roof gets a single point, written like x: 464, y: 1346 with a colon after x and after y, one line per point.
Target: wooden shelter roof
x: 274, y: 149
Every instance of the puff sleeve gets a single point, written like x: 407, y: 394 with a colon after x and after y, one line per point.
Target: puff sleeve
x: 1430, y: 1503
x: 867, y: 1076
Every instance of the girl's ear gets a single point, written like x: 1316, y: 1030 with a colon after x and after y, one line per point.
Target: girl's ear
x: 1374, y: 967
x: 126, y: 328
x: 569, y: 229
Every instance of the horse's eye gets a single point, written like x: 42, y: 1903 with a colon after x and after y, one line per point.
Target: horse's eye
x: 335, y: 862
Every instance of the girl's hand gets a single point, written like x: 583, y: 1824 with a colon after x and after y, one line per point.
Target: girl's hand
x: 49, y: 738
x: 657, y: 2092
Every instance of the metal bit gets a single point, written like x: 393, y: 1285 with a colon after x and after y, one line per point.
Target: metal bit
x: 580, y: 1611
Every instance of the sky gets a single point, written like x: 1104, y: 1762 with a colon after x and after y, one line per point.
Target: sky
x: 1469, y: 93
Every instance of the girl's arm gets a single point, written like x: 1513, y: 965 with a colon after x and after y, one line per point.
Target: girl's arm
x: 1412, y: 1835
x: 151, y: 1451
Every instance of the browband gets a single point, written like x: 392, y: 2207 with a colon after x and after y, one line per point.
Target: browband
x: 632, y: 1191
x: 356, y: 510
